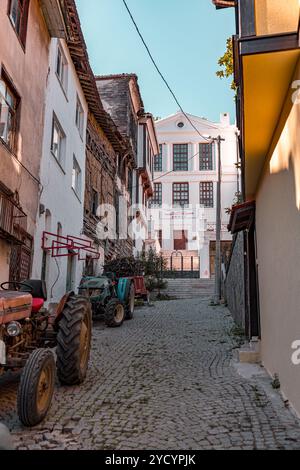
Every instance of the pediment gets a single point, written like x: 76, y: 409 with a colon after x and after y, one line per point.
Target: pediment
x: 172, y: 124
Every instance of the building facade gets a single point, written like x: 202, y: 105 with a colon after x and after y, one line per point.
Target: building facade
x: 76, y: 229
x: 183, y: 209
x: 122, y: 99
x: 267, y: 73
x: 26, y: 28
x: 148, y: 149
x: 62, y: 173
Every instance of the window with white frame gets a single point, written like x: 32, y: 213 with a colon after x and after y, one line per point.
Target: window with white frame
x: 158, y: 160
x: 9, y: 119
x: 206, y: 157
x: 18, y: 14
x: 62, y: 68
x: 207, y: 194
x: 76, y: 177
x: 79, y: 117
x: 58, y: 142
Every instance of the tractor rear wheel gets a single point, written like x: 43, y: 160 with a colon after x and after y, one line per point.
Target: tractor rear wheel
x: 114, y: 313
x: 36, y: 387
x: 130, y: 303
x: 74, y: 341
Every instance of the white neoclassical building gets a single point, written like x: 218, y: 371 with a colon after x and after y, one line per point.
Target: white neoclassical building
x: 182, y: 218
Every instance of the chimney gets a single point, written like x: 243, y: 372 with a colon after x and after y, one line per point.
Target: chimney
x: 225, y: 119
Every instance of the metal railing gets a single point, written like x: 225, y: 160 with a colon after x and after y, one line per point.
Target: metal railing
x: 179, y: 265
x: 13, y: 221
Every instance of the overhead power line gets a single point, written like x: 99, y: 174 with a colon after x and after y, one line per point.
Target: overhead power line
x: 160, y: 73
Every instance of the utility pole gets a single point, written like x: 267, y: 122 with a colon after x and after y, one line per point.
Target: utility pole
x: 218, y: 271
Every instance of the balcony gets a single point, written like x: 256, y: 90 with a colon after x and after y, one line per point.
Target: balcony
x: 13, y: 221
x: 261, y: 18
x: 266, y: 54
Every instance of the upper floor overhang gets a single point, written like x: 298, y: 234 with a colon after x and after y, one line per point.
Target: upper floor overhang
x: 266, y: 54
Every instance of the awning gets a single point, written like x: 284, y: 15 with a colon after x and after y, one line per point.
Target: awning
x: 242, y: 217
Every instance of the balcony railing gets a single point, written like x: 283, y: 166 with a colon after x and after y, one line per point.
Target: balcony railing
x: 13, y: 221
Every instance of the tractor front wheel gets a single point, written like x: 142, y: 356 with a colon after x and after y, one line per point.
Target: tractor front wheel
x: 114, y: 313
x: 74, y: 341
x: 36, y: 387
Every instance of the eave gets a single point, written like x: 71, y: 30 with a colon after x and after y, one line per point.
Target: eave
x: 54, y: 18
x: 220, y: 4
x: 79, y: 55
x: 241, y: 217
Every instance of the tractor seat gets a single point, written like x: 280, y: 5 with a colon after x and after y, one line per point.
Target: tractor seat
x: 37, y: 304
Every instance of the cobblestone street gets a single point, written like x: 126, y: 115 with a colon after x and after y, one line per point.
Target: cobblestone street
x: 165, y: 380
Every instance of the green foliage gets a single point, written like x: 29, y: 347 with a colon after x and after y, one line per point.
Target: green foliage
x: 125, y: 267
x: 238, y: 199
x: 226, y: 64
x: 154, y: 265
x: 148, y: 264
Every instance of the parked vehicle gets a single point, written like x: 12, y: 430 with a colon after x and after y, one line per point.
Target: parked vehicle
x: 111, y: 298
x: 28, y: 332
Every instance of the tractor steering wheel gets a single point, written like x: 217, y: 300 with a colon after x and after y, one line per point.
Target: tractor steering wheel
x: 16, y: 286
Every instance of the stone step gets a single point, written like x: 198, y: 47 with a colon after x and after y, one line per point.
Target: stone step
x: 190, y: 288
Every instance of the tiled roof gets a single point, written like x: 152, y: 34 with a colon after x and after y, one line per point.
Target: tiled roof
x: 224, y: 3
x: 79, y: 55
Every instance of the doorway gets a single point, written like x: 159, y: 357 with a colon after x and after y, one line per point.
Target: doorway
x: 180, y: 240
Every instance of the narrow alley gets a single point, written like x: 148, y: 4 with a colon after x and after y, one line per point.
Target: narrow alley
x: 166, y: 380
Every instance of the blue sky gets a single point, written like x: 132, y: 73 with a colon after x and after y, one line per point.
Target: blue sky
x: 186, y: 38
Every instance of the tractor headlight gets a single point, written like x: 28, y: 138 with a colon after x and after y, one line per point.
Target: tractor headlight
x: 14, y: 329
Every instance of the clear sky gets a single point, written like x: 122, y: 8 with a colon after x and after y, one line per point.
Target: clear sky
x: 186, y: 38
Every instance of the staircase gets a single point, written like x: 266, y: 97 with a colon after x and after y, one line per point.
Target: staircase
x: 190, y: 288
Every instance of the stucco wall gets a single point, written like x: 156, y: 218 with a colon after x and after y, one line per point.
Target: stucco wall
x: 28, y: 71
x: 58, y: 196
x: 278, y: 243
x: 276, y: 16
x: 235, y: 282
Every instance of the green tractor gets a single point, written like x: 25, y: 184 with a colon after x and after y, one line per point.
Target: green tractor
x: 111, y: 298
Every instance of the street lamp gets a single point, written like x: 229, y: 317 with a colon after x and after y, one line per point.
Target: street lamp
x: 218, y: 288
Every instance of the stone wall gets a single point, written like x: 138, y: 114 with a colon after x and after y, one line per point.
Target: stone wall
x: 235, y: 282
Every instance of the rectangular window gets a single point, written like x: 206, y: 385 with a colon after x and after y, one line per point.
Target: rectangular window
x: 181, y: 194
x: 79, y: 117
x: 94, y: 202
x: 130, y: 182
x: 206, y: 157
x: 157, y: 197
x: 18, y: 14
x: 160, y: 237
x: 58, y: 142
x: 9, y: 102
x: 62, y: 68
x: 180, y: 157
x: 158, y: 160
x: 207, y: 194
x: 76, y: 177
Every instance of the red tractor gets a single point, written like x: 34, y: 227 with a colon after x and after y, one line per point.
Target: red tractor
x: 29, y: 332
